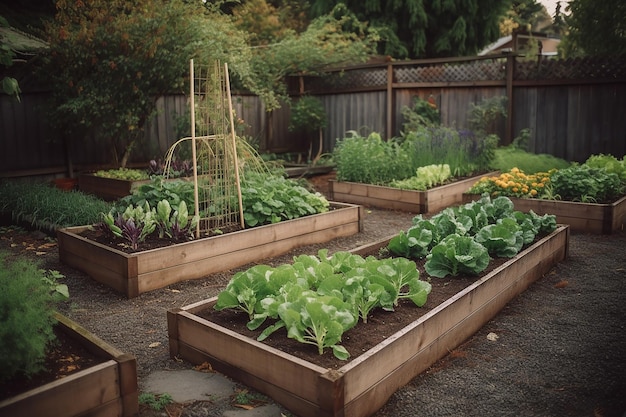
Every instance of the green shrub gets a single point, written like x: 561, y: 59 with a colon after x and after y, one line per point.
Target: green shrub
x: 371, y: 160
x: 465, y: 152
x: 423, y: 113
x: 49, y: 208
x: 610, y: 164
x: 585, y: 184
x: 26, y: 318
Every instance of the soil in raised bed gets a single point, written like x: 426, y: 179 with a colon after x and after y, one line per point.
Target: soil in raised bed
x: 64, y: 357
x: 362, y: 337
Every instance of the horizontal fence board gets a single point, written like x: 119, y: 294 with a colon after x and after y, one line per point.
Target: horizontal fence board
x: 573, y: 109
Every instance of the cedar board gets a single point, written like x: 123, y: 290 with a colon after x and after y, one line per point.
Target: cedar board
x: 134, y: 274
x: 429, y: 201
x: 109, y: 189
x: 107, y: 389
x: 581, y: 217
x: 364, y: 384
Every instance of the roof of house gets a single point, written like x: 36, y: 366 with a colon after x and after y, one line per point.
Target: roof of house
x: 549, y: 44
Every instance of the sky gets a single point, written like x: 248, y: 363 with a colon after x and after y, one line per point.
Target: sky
x: 550, y: 6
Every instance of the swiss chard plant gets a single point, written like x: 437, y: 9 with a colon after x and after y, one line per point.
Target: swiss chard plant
x: 175, y: 223
x: 134, y: 224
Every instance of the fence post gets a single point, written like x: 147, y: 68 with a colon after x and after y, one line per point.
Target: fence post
x: 390, y: 106
x: 510, y: 69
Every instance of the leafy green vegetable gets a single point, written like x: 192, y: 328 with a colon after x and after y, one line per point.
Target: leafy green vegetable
x: 313, y: 297
x: 425, y: 178
x: 318, y: 320
x: 269, y: 199
x: 247, y: 288
x: 415, y: 242
x: 503, y: 239
x: 586, y: 184
x: 401, y: 276
x: 456, y: 255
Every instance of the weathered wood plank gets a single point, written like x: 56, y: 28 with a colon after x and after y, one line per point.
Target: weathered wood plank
x: 583, y: 217
x: 133, y: 274
x: 364, y: 384
x: 432, y: 200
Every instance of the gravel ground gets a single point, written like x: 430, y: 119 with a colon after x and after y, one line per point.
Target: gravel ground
x: 560, y: 347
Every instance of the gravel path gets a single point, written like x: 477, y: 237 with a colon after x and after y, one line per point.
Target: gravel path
x: 560, y: 347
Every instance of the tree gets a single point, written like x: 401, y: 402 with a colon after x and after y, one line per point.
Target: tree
x: 10, y: 85
x: 331, y: 40
x: 595, y: 28
x: 266, y: 23
x: 427, y: 29
x: 527, y: 15
x: 109, y: 60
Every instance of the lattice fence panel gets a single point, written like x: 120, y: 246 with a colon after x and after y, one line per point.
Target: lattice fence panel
x: 585, y: 68
x: 348, y: 80
x: 483, y: 70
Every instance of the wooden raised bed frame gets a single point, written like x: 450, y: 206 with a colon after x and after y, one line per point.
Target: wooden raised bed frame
x: 364, y: 384
x: 109, y: 189
x: 106, y: 389
x: 429, y: 201
x: 581, y: 217
x: 134, y: 274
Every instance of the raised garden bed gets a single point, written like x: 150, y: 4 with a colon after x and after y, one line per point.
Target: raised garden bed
x: 581, y: 217
x: 109, y: 189
x: 300, y: 170
x: 108, y: 388
x: 363, y: 385
x: 135, y: 273
x: 428, y: 201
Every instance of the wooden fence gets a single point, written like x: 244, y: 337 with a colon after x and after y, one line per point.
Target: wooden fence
x: 574, y: 108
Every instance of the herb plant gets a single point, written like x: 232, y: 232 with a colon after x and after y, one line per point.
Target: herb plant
x: 48, y: 208
x: 586, y: 184
x: 371, y: 160
x: 27, y: 302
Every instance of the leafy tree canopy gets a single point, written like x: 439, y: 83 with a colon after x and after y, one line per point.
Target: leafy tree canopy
x: 595, y: 28
x: 333, y: 39
x: 110, y: 59
x: 426, y: 29
x: 528, y: 15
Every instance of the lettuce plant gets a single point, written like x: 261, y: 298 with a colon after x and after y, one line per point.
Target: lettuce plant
x: 317, y: 298
x: 460, y: 239
x: 426, y: 177
x: 133, y: 225
x: 503, y: 239
x: 318, y: 320
x: 456, y: 255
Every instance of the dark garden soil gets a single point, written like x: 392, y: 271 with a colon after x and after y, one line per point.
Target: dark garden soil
x: 362, y: 337
x: 65, y: 357
x: 558, y: 349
